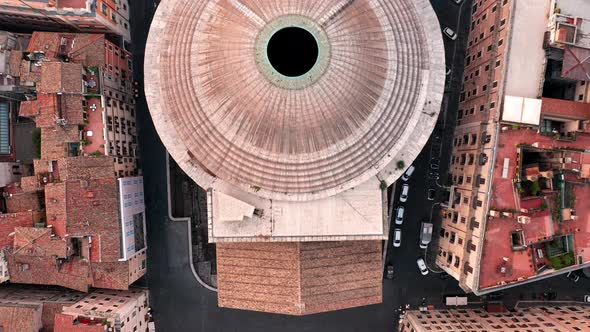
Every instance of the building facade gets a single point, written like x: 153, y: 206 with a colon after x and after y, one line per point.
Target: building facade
x: 531, y: 319
x: 519, y: 148
x: 106, y: 310
x: 103, y: 16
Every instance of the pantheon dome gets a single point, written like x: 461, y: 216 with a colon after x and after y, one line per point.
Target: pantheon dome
x: 294, y: 116
x: 294, y: 100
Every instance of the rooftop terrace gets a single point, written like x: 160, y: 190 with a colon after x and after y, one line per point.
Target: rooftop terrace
x: 534, y: 229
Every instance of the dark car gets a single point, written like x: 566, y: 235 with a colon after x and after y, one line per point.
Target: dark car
x: 573, y: 276
x: 389, y: 274
x: 431, y: 194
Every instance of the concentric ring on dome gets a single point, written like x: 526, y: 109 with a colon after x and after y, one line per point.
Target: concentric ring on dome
x: 229, y: 124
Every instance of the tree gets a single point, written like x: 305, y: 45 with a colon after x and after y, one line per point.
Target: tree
x: 401, y: 164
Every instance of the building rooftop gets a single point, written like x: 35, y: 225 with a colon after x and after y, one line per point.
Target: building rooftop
x: 83, y: 48
x: 528, y: 227
x: 47, y: 108
x: 17, y: 317
x: 61, y: 77
x: 299, y: 278
x: 526, y: 55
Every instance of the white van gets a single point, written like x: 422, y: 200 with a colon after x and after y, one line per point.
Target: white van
x: 408, y: 173
x: 399, y: 215
x: 425, y: 234
x: 403, y: 196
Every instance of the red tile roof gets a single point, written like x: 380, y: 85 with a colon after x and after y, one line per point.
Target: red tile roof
x: 49, y: 107
x: 87, y: 49
x: 565, y: 108
x: 23, y: 201
x: 61, y: 77
x: 65, y: 323
x: 8, y: 223
x: 32, y: 241
x: 45, y: 270
x: 16, y: 317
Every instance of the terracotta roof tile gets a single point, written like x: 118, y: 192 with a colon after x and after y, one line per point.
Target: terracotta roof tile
x: 14, y: 63
x: 15, y: 317
x: 22, y: 201
x: 60, y: 77
x: 32, y: 241
x: 42, y: 270
x: 9, y: 221
x: 87, y: 49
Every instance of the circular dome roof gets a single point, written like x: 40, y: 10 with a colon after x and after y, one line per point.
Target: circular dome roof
x: 296, y: 99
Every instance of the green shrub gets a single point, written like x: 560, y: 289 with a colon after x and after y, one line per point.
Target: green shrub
x: 401, y: 164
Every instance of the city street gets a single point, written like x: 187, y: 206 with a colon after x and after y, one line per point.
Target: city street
x: 181, y: 304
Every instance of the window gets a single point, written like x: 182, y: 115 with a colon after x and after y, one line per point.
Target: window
x: 494, y: 9
x: 489, y: 48
x: 487, y: 67
x: 502, y: 22
x: 104, y: 8
x: 481, y: 108
x: 498, y: 63
x: 500, y: 42
x: 495, y: 84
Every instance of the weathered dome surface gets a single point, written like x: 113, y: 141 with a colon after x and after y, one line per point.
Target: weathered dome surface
x: 229, y: 118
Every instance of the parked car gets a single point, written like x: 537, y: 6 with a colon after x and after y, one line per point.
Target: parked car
x: 408, y: 173
x: 431, y: 194
x: 397, y: 237
x: 403, y: 196
x: 452, y: 35
x: 399, y: 215
x: 434, y: 166
x: 587, y: 298
x: 434, y: 175
x: 425, y: 234
x: 448, y: 72
x: 389, y: 274
x: 457, y: 1
x: 572, y: 276
x: 422, y: 266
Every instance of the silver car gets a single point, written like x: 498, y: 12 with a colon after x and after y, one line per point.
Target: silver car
x: 397, y: 237
x: 452, y: 35
x: 403, y: 196
x: 422, y: 266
